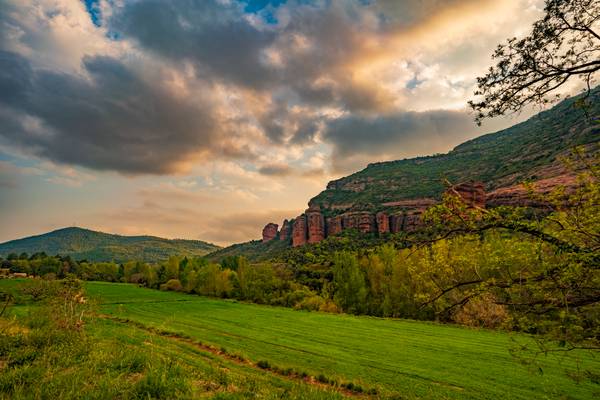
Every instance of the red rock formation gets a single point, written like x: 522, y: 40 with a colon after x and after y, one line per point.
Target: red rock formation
x: 366, y: 222
x: 517, y: 195
x: 299, y: 231
x: 316, y: 225
x: 412, y: 221
x: 383, y: 222
x: 400, y: 215
x: 472, y: 193
x: 269, y: 232
x: 334, y: 225
x: 396, y: 223
x: 286, y: 231
x: 349, y: 221
x: 412, y: 203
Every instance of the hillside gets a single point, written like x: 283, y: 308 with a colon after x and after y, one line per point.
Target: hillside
x: 86, y: 244
x: 389, y: 197
x: 527, y: 150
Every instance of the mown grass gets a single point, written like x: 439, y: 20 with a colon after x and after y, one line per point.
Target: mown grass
x: 401, y: 358
x: 112, y: 360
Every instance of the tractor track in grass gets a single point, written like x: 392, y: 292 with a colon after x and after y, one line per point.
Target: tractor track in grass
x: 240, y: 360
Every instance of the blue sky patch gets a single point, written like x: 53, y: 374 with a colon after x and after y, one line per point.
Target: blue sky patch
x: 93, y: 8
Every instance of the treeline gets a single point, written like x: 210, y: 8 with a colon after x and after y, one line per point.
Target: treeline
x: 383, y: 281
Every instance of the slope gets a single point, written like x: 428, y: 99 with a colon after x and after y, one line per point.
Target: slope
x: 528, y: 150
x: 82, y: 243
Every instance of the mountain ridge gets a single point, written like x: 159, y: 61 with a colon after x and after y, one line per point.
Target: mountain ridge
x: 83, y: 243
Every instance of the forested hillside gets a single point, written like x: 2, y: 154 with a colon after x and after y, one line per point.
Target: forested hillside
x: 86, y: 244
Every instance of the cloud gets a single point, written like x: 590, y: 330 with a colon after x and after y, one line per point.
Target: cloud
x: 396, y: 135
x: 167, y: 219
x: 276, y: 170
x: 213, y: 35
x: 159, y: 87
x: 114, y: 119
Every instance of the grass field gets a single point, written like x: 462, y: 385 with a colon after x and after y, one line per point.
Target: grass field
x: 400, y: 358
x: 115, y: 360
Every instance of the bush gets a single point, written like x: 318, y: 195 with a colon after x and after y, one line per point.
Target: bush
x: 38, y: 289
x: 482, y: 312
x: 313, y: 303
x: 172, y: 285
x: 330, y: 307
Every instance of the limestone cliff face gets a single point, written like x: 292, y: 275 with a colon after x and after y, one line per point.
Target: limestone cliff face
x: 396, y: 223
x: 299, y: 231
x: 364, y: 221
x: 403, y: 216
x: 517, y: 195
x: 412, y: 221
x: 269, y: 232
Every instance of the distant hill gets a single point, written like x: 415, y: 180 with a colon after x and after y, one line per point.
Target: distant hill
x: 86, y: 244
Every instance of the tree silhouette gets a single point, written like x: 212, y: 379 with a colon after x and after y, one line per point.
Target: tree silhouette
x: 564, y: 44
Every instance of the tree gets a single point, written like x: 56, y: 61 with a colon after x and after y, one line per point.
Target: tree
x: 557, y: 292
x: 349, y: 282
x: 564, y: 44
x: 172, y: 268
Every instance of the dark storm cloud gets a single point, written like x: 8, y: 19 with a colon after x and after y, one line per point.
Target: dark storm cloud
x: 213, y: 35
x: 116, y: 120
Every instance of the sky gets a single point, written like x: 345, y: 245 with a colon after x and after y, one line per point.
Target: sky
x: 206, y: 119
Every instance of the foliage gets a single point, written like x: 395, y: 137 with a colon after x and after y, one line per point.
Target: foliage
x: 172, y: 284
x: 555, y: 290
x: 349, y: 283
x: 564, y: 44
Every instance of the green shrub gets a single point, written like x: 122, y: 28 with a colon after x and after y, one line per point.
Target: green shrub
x: 172, y: 285
x: 312, y: 303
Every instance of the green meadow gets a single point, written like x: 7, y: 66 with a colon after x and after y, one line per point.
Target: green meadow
x: 397, y: 358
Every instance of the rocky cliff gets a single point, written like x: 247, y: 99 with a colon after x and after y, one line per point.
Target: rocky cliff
x: 313, y: 226
x: 269, y: 232
x: 390, y: 197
